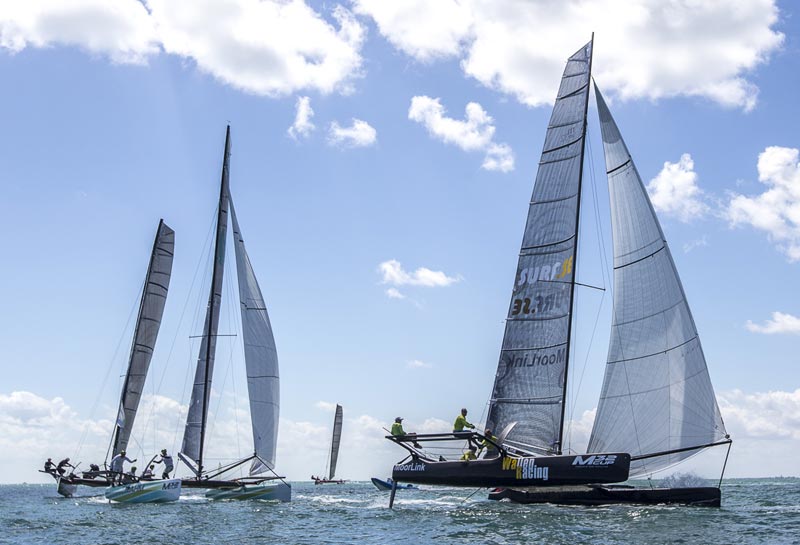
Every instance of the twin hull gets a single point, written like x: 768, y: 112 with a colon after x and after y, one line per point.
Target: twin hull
x: 145, y: 492
x: 518, y: 471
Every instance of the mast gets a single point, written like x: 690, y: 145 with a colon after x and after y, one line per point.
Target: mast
x: 148, y: 322
x: 530, y: 383
x: 197, y: 418
x: 575, y: 264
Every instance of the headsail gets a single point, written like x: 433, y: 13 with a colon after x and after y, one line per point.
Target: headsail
x: 657, y: 396
x: 194, y: 433
x: 148, y: 322
x: 336, y: 440
x: 529, y: 386
x: 261, y: 358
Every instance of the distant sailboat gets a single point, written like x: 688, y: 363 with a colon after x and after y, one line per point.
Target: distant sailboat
x: 333, y: 457
x: 261, y: 362
x: 657, y: 405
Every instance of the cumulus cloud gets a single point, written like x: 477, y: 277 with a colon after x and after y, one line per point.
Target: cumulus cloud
x: 474, y: 133
x: 417, y: 364
x: 780, y: 323
x: 645, y: 48
x: 325, y: 406
x: 761, y: 415
x: 265, y: 47
x: 393, y: 273
x: 674, y: 191
x: 394, y: 293
x: 776, y: 211
x: 358, y: 135
x: 120, y: 29
x: 302, y: 126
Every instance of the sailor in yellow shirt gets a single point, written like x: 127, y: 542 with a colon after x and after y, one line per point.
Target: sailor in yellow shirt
x: 470, y: 454
x: 397, y: 430
x: 491, y: 450
x: 461, y: 422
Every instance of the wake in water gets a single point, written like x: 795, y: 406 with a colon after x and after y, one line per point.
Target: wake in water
x: 683, y: 480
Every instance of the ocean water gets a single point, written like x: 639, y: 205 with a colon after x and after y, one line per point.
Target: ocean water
x: 753, y: 511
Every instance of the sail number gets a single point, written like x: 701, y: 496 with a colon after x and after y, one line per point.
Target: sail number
x: 536, y: 304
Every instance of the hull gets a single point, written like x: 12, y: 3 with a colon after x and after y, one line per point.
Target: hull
x: 66, y: 488
x: 327, y: 481
x: 145, y: 492
x: 273, y: 491
x: 541, y: 471
x: 600, y: 495
x: 387, y: 485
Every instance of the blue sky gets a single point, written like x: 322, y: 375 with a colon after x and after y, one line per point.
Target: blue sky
x: 115, y: 115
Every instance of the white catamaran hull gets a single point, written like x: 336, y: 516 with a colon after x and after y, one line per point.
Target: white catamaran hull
x: 273, y: 491
x: 145, y: 492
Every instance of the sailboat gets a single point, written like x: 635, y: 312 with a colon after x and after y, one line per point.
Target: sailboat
x: 148, y: 322
x: 657, y: 405
x: 261, y: 362
x: 333, y: 457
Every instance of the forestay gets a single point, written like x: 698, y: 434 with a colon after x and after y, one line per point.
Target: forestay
x: 657, y: 396
x: 529, y: 386
x: 335, y: 441
x: 261, y: 358
x: 194, y: 433
x: 148, y: 322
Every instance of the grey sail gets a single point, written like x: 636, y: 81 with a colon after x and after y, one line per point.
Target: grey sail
x: 336, y: 440
x: 261, y: 358
x: 529, y: 386
x: 148, y: 322
x: 657, y: 402
x: 194, y: 433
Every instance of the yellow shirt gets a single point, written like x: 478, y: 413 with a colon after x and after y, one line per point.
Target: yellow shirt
x: 461, y: 423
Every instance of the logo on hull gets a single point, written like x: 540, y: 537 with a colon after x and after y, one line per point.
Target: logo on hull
x: 595, y: 460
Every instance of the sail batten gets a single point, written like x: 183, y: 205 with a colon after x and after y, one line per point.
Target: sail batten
x: 529, y: 386
x: 657, y: 401
x: 148, y: 322
x: 194, y: 432
x: 260, y: 355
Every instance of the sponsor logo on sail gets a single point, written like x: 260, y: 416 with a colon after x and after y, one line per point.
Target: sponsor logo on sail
x: 595, y: 460
x: 409, y: 467
x: 539, y: 359
x: 556, y: 271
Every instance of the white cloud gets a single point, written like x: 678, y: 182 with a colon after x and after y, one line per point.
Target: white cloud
x: 417, y: 364
x: 694, y: 244
x: 121, y: 29
x: 645, y: 48
x: 326, y: 406
x: 360, y: 134
x: 265, y: 47
x: 394, y: 274
x: 474, y: 133
x: 302, y: 126
x: 674, y: 191
x: 394, y: 293
x: 776, y: 211
x: 762, y: 415
x: 780, y: 323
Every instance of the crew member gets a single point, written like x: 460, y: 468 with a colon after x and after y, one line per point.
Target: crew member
x: 117, y: 463
x: 49, y: 466
x: 491, y: 450
x: 397, y: 430
x: 166, y: 459
x: 62, y: 465
x: 470, y: 454
x: 147, y: 474
x: 461, y: 422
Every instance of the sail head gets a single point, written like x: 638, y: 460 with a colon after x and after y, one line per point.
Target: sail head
x: 657, y: 395
x: 529, y: 385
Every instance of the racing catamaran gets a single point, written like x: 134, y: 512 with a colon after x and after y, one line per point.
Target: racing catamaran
x: 333, y: 456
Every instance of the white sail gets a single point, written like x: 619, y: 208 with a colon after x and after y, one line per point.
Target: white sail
x: 657, y: 402
x: 529, y: 386
x: 336, y: 440
x: 261, y: 358
x: 194, y: 433
x: 148, y: 322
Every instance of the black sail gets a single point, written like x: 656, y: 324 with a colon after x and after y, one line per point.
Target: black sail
x: 529, y: 387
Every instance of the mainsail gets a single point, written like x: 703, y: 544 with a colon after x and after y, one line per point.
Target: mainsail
x: 148, y: 322
x: 194, y: 433
x: 530, y: 383
x: 261, y: 358
x: 657, y: 402
x: 336, y: 440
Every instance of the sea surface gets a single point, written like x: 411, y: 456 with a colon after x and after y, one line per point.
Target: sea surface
x: 753, y: 511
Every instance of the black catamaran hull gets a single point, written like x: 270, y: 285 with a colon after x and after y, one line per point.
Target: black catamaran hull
x: 601, y: 495
x: 524, y: 471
